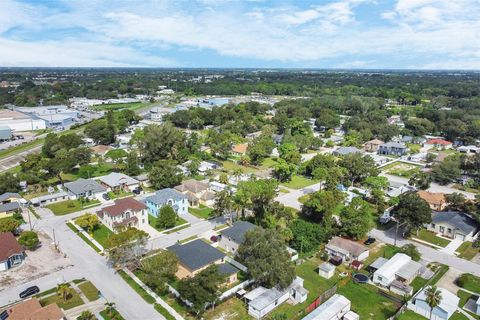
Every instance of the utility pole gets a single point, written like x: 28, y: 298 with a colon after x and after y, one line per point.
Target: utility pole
x: 54, y: 240
x: 29, y: 220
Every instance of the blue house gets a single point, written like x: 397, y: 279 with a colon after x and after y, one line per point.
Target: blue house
x: 177, y: 200
x: 11, y: 252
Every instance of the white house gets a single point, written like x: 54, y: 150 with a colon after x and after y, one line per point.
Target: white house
x: 447, y: 307
x: 119, y: 181
x: 262, y: 300
x: 126, y: 212
x: 85, y: 188
x: 400, y: 267
x: 346, y: 249
x: 326, y: 270
x: 454, y: 225
x: 231, y: 238
x: 334, y: 308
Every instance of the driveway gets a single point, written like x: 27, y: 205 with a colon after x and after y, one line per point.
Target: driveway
x: 290, y: 199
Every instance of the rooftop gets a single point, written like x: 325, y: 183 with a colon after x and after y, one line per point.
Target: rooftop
x: 196, y: 254
x: 31, y: 309
x: 432, y: 197
x: 449, y: 302
x: 192, y: 186
x: 123, y: 205
x: 240, y: 148
x: 8, y: 195
x: 458, y: 220
x: 116, y: 179
x: 350, y: 246
x: 329, y: 309
x: 237, y: 231
x: 9, y: 246
x: 84, y: 185
x: 162, y: 196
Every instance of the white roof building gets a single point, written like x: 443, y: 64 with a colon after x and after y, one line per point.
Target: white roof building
x: 334, y: 308
x: 447, y: 307
x: 400, y: 267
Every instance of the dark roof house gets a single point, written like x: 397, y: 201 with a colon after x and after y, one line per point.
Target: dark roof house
x: 196, y: 255
x: 84, y: 187
x: 237, y: 232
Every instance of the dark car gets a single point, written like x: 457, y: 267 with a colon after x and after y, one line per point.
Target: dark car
x: 106, y: 196
x: 137, y: 191
x: 369, y: 241
x: 29, y: 291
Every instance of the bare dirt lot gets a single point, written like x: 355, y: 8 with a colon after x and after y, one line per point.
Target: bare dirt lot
x: 44, y: 260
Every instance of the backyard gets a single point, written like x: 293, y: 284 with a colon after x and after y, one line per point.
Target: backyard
x: 70, y: 206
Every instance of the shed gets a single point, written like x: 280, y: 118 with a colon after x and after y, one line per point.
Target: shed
x: 326, y: 270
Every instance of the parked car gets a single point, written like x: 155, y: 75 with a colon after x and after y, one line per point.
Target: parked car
x: 29, y: 292
x: 106, y: 196
x: 136, y: 191
x: 369, y: 241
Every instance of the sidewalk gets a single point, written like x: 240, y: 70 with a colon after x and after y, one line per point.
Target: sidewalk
x: 452, y: 246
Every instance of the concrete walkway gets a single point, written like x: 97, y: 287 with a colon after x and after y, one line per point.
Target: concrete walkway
x: 452, y: 246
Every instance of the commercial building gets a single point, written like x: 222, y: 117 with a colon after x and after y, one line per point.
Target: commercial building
x: 5, y: 133
x: 18, y: 121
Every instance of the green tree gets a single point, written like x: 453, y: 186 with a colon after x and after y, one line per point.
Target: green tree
x: 433, y: 297
x: 356, y: 219
x: 260, y: 148
x: 359, y: 167
x: 88, y: 221
x: 159, y: 269
x: 167, y: 217
x: 257, y: 195
x: 265, y: 255
x: 223, y: 203
x: 455, y: 201
x: 131, y: 165
x: 307, y: 236
x: 86, y: 315
x: 126, y: 246
x: 100, y: 131
x: 9, y: 183
x: 420, y: 180
x: 202, y: 289
x: 29, y: 240
x: 446, y: 171
x: 411, y: 251
x: 165, y: 174
x: 283, y: 170
x: 64, y: 291
x: 289, y: 153
x: 321, y: 205
x: 164, y: 142
x: 412, y: 212
x: 9, y: 224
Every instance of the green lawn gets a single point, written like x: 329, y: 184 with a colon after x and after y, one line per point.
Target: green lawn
x: 188, y: 239
x: 101, y: 234
x: 268, y: 163
x: 469, y: 282
x: 119, y: 194
x: 72, y: 302
x: 467, y: 251
x: 410, y: 315
x: 232, y: 166
x: 72, y: 227
x: 152, y: 220
x: 148, y: 298
x: 89, y: 290
x: 115, y: 315
x: 431, y: 237
x: 163, y: 312
x: 299, y: 182
x: 70, y: 206
x: 20, y: 148
x: 232, y: 309
x: 119, y: 106
x: 202, y: 212
x: 91, y: 171
x: 458, y: 316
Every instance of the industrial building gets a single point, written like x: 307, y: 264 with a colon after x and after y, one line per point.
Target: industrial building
x: 18, y: 121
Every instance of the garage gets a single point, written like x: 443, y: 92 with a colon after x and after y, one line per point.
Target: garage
x: 460, y: 236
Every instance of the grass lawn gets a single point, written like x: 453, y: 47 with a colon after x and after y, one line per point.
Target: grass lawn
x: 92, y: 171
x: 119, y: 194
x: 458, y: 316
x: 119, y: 106
x: 148, y: 298
x: 403, y: 170
x: 89, y: 290
x: 268, y: 163
x: 72, y: 302
x: 152, y: 220
x: 299, y: 182
x: 232, y: 166
x: 163, y: 312
x: 202, y: 212
x: 464, y: 297
x: 410, y: 315
x: 469, y: 282
x: 232, y: 309
x: 304, y: 198
x: 386, y: 251
x: 188, y: 239
x: 20, y: 148
x: 418, y: 283
x: 115, y: 315
x: 101, y: 234
x: 467, y: 251
x: 431, y: 237
x: 72, y: 227
x: 70, y: 206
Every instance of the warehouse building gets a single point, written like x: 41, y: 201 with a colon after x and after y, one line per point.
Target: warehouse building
x: 18, y: 121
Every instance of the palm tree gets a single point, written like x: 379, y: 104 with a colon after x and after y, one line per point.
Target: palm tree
x: 109, y: 307
x: 86, y: 315
x: 433, y: 297
x: 64, y: 291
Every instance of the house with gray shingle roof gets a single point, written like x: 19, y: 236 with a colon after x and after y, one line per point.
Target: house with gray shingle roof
x: 393, y: 149
x: 343, y: 151
x: 168, y: 196
x: 454, y: 224
x: 86, y: 188
x: 119, y: 181
x: 9, y: 204
x: 232, y: 237
x: 195, y: 256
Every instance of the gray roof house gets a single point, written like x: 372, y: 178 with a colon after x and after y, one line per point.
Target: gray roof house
x: 84, y: 188
x: 7, y: 197
x: 453, y: 224
x: 167, y: 196
x: 232, y: 237
x: 343, y: 151
x: 8, y: 208
x: 393, y: 148
x: 116, y: 180
x: 195, y: 256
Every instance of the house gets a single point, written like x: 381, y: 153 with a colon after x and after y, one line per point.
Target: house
x: 393, y: 149
x: 400, y: 267
x: 116, y: 181
x: 261, y: 300
x: 217, y: 186
x: 346, y: 249
x: 469, y: 149
x: 343, y: 151
x: 196, y: 191
x: 84, y: 188
x: 373, y: 145
x: 194, y: 257
x: 100, y: 150
x: 253, y: 135
x: 9, y: 204
x: 454, y: 225
x: 438, y: 143
x: 326, y: 270
x: 336, y: 307
x: 168, y: 196
x: 239, y: 149
x: 232, y: 237
x: 436, y: 200
x: 11, y: 252
x: 126, y: 212
x: 31, y: 309
x: 447, y: 307
x: 49, y: 198
x: 143, y: 180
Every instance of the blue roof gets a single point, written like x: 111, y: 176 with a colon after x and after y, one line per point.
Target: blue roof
x: 162, y: 196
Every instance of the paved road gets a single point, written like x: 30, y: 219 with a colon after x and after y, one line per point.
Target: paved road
x: 434, y: 187
x: 13, y: 161
x: 290, y: 199
x: 429, y: 254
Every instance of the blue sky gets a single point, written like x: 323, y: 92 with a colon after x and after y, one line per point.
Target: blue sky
x: 390, y: 34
